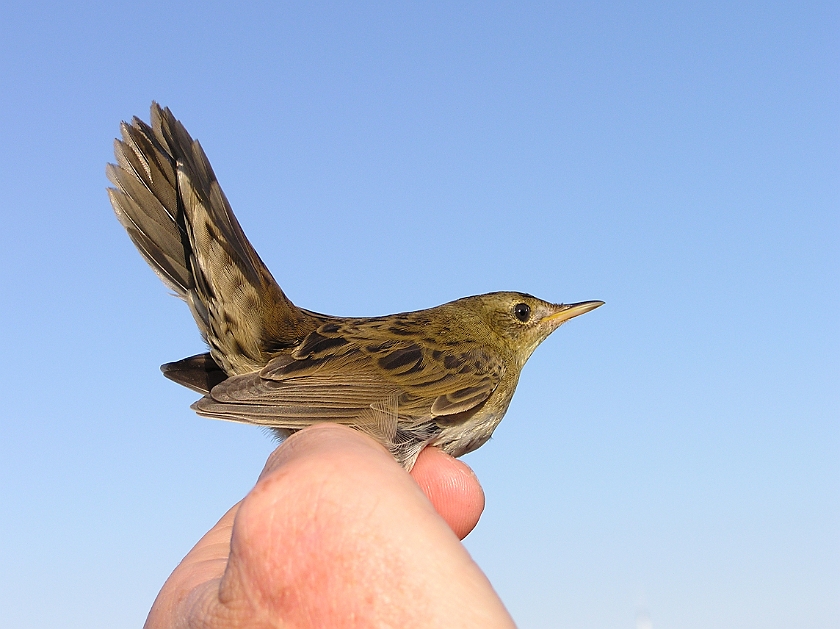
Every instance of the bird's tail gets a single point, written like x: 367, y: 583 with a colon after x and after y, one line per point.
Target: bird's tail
x: 170, y: 203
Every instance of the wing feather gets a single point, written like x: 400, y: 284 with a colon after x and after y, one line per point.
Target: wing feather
x: 348, y: 378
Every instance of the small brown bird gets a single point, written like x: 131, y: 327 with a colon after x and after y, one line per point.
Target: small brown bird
x: 443, y: 376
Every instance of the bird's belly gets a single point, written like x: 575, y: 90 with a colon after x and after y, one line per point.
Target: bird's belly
x: 457, y: 438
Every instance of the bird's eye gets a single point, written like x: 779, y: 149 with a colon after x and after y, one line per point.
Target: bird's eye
x: 522, y: 312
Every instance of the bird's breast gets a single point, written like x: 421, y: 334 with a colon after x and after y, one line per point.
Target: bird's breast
x: 461, y: 435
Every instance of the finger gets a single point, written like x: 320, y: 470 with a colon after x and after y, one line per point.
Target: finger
x: 449, y: 484
x: 452, y: 488
x: 336, y: 530
x: 197, y: 576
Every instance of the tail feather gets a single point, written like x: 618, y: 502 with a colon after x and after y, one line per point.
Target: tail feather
x: 145, y: 202
x: 168, y: 199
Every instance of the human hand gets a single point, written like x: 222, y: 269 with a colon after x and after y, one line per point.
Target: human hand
x: 336, y: 534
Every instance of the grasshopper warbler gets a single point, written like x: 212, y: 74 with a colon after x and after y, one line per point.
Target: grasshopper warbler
x: 443, y: 376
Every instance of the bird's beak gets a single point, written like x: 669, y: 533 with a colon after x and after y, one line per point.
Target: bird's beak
x: 569, y: 311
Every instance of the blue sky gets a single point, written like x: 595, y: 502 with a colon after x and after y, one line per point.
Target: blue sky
x: 673, y: 455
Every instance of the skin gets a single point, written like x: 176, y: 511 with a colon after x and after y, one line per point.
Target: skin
x: 336, y: 534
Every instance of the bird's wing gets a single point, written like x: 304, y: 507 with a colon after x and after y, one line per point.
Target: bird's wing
x: 394, y: 390
x: 170, y: 203
x: 332, y: 377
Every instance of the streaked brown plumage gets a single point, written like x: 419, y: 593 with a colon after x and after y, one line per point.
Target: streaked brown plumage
x: 443, y: 376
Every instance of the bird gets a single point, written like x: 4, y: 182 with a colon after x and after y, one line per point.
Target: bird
x: 440, y: 377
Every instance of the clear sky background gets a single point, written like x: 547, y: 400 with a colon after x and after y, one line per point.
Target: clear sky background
x: 670, y: 460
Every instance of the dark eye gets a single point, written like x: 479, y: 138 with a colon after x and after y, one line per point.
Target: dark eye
x: 522, y: 312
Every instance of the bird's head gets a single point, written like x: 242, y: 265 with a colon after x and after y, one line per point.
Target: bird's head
x: 521, y: 321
